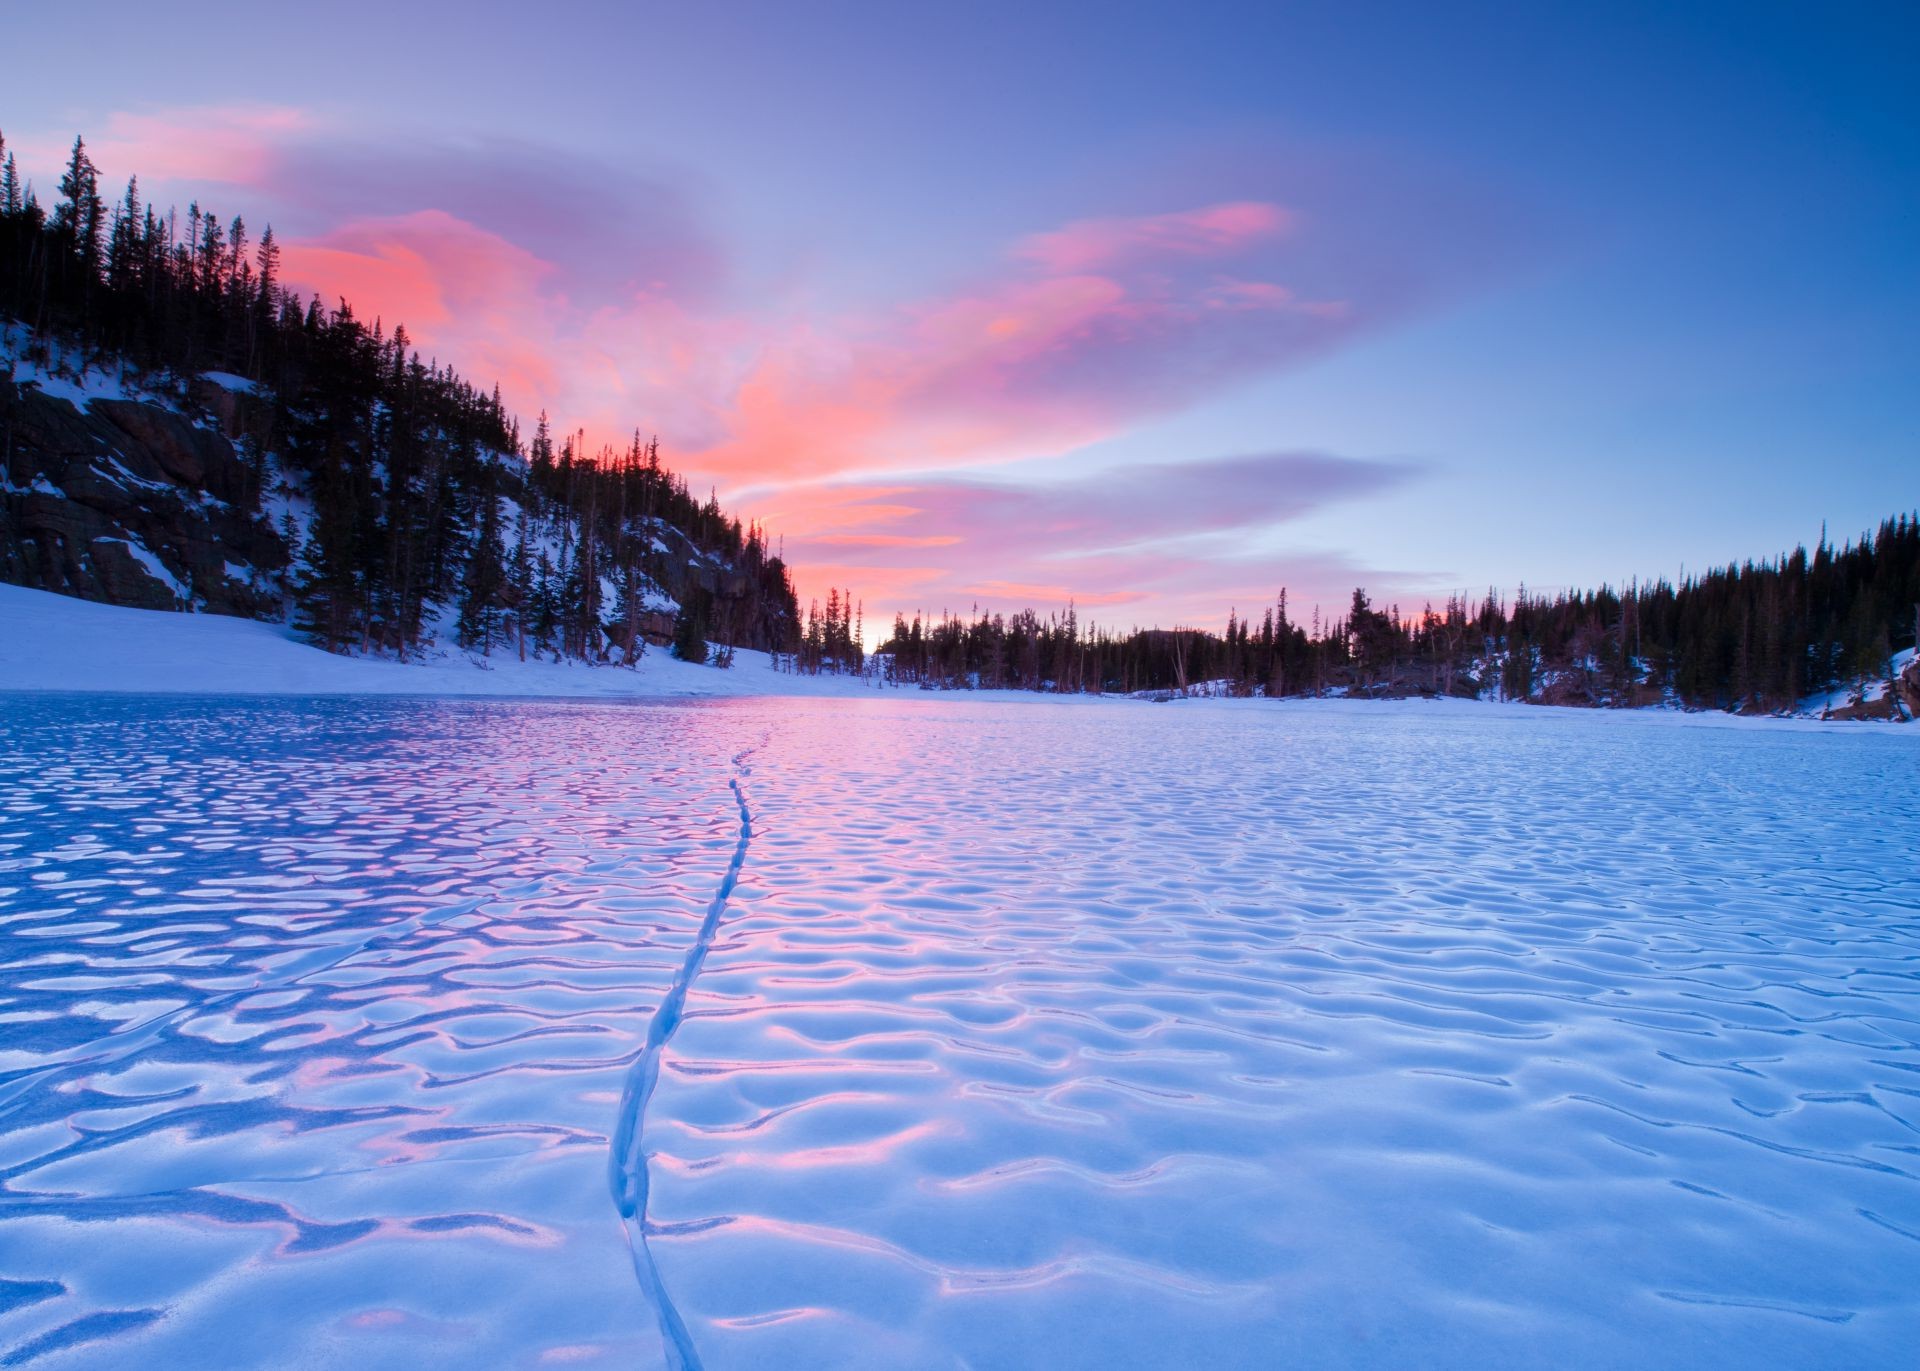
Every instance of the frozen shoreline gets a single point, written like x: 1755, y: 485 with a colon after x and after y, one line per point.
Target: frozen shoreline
x: 56, y: 643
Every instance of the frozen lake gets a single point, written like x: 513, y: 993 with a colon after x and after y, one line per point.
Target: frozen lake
x: 1028, y: 1035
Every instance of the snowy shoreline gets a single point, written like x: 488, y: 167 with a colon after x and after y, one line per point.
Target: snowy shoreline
x: 58, y: 644
x: 51, y: 642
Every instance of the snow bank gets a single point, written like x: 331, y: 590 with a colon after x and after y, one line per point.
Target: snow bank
x: 1855, y: 693
x: 58, y: 643
x: 55, y: 642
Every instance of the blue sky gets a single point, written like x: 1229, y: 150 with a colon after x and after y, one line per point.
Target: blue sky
x: 1576, y: 295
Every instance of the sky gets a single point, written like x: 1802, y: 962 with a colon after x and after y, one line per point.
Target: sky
x: 1152, y: 308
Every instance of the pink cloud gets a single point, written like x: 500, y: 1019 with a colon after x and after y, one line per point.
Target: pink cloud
x: 1022, y: 364
x: 1025, y: 364
x: 462, y: 293
x: 231, y: 144
x: 1048, y: 355
x: 1100, y: 244
x: 1018, y: 366
x: 496, y: 310
x: 1175, y: 534
x: 887, y: 540
x: 1027, y: 594
x: 619, y: 313
x: 1089, y: 328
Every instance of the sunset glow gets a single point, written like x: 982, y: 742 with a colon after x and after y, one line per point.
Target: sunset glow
x: 1223, y: 288
x: 891, y: 686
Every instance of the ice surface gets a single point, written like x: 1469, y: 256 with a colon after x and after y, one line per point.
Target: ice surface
x: 1029, y: 1035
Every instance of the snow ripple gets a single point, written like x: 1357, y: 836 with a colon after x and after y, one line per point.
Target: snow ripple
x: 992, y: 1035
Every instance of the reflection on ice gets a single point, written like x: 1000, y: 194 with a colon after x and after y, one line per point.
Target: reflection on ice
x: 1019, y: 1035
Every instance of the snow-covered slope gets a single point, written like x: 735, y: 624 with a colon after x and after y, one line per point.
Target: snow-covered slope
x: 1864, y: 699
x: 206, y: 491
x: 55, y: 642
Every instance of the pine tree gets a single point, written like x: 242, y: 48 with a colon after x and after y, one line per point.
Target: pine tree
x: 77, y: 218
x: 11, y: 200
x: 267, y: 280
x: 690, y: 625
x: 546, y: 602
x: 123, y: 243
x: 520, y: 582
x: 486, y: 578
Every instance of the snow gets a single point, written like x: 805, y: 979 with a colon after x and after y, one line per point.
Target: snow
x: 226, y: 380
x: 55, y: 642
x: 153, y: 565
x: 282, y: 498
x: 907, y: 1031
x: 1870, y: 691
x: 77, y: 393
x: 65, y: 374
x: 114, y: 470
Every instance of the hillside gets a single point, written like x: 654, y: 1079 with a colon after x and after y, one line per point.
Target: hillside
x: 180, y: 432
x: 52, y: 642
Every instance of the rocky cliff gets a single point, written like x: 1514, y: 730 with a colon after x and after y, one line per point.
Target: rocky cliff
x: 140, y: 502
x: 163, y: 494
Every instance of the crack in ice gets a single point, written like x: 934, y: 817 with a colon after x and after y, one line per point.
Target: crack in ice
x: 627, y: 1161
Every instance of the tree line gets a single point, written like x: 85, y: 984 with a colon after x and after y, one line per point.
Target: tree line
x: 421, y: 500
x: 1756, y: 636
x: 418, y: 495
x: 829, y: 640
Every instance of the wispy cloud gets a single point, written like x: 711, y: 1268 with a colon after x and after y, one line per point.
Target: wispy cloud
x: 1156, y: 531
x: 1102, y: 244
x: 1021, y: 361
x: 201, y: 144
x: 613, y: 301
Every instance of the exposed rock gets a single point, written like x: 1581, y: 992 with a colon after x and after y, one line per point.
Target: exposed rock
x: 124, y: 579
x: 85, y: 488
x: 237, y: 413
x: 656, y: 626
x: 190, y: 456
